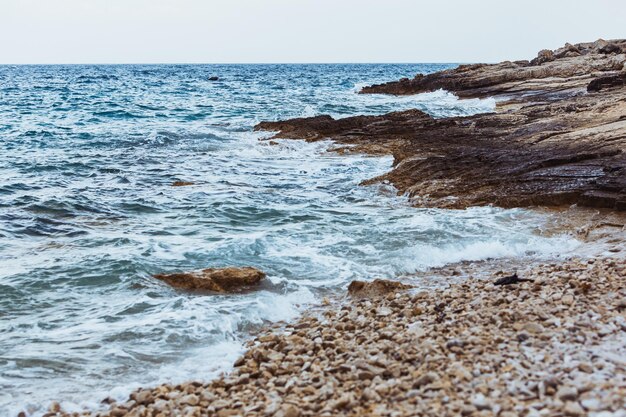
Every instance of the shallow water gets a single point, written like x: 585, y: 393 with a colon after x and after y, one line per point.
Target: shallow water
x: 87, y: 215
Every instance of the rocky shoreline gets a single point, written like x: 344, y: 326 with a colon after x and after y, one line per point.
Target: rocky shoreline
x: 558, y: 136
x: 550, y: 344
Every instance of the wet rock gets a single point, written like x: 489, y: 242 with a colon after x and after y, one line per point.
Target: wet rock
x: 54, y: 407
x: 215, y: 279
x: 118, y: 412
x: 376, y: 288
x: 510, y: 280
x: 181, y: 183
x: 143, y: 397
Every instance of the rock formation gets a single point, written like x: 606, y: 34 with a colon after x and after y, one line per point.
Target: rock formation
x: 570, y: 67
x: 558, y: 136
x: 221, y: 280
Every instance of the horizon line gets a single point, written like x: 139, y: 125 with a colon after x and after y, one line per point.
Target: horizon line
x: 239, y: 63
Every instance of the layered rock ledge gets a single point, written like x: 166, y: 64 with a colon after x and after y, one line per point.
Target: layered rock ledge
x: 571, y: 67
x: 558, y: 136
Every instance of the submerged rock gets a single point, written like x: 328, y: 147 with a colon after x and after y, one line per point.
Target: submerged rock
x: 376, y: 288
x: 181, y: 183
x: 220, y: 280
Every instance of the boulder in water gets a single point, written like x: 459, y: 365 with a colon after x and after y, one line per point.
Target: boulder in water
x: 221, y: 280
x: 181, y: 183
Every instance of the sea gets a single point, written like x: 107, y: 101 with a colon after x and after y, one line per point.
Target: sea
x: 88, y: 214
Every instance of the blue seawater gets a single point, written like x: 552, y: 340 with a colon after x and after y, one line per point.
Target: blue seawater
x: 88, y: 214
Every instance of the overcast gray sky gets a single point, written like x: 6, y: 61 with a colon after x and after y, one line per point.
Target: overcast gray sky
x: 233, y: 31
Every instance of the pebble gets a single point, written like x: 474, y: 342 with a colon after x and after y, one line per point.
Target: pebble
x: 573, y: 409
x: 480, y: 402
x: 190, y: 399
x: 566, y: 393
x: 533, y: 328
x: 288, y: 410
x: 383, y: 311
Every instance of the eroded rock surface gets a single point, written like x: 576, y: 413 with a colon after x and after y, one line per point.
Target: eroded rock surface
x: 215, y: 279
x: 570, y: 67
x: 559, y: 137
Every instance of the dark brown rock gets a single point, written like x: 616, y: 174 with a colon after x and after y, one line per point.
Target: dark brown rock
x: 376, y: 288
x: 611, y: 48
x: 611, y: 81
x: 181, y: 183
x: 215, y: 279
x: 511, y: 280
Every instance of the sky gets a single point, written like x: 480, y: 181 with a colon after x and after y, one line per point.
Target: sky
x: 285, y: 31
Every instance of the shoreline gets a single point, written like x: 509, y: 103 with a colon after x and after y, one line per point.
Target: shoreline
x: 557, y: 137
x: 600, y: 233
x: 465, y: 346
x: 462, y: 346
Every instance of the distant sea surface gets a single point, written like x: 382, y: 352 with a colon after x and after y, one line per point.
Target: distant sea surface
x: 88, y: 214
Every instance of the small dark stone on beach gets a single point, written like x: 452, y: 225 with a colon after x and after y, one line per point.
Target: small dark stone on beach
x: 511, y: 279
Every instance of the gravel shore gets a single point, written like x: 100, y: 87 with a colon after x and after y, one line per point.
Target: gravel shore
x: 551, y: 346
